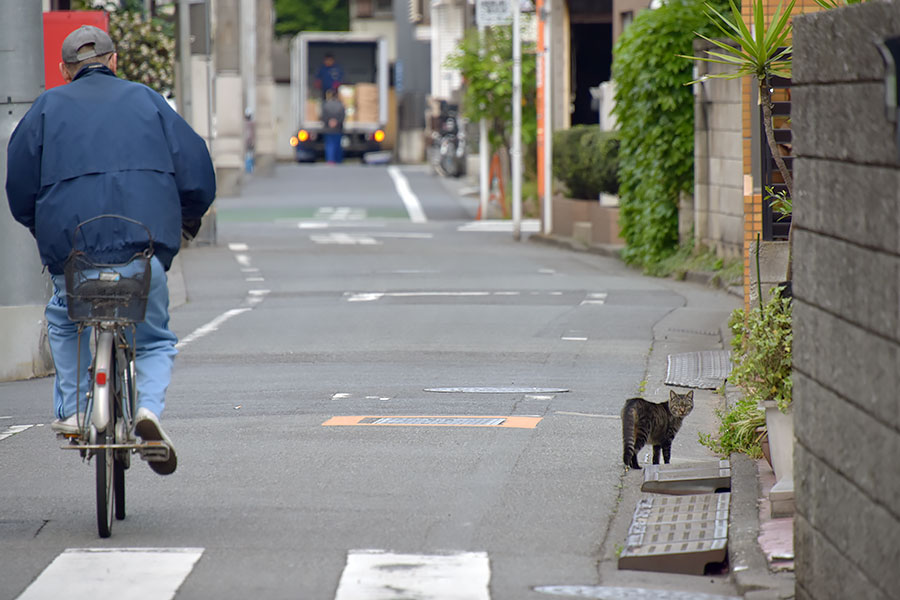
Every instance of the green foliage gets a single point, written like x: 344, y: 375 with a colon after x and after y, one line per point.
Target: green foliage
x: 761, y: 53
x: 146, y: 53
x: 294, y: 16
x: 689, y: 257
x: 655, y: 112
x: 738, y: 430
x: 488, y: 84
x: 586, y: 160
x: 761, y: 351
x: 780, y: 202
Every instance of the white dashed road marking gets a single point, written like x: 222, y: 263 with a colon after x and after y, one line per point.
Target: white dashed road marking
x: 91, y: 573
x: 13, y: 430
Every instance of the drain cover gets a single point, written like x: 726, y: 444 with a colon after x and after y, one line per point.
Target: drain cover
x: 697, y: 478
x: 623, y: 593
x: 497, y: 390
x: 705, y: 370
x: 677, y: 534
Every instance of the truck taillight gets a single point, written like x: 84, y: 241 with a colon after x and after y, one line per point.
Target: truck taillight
x: 302, y: 135
x: 379, y: 136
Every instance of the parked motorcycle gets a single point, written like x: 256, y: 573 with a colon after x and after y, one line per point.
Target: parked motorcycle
x: 448, y: 143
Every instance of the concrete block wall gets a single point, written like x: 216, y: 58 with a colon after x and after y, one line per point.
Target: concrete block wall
x: 718, y: 208
x: 847, y: 307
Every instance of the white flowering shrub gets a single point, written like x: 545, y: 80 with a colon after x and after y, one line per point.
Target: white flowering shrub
x: 146, y: 52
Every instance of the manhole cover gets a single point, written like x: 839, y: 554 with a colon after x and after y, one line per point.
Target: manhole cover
x: 677, y: 534
x: 696, y: 478
x: 623, y: 593
x: 705, y: 370
x: 487, y: 421
x: 497, y: 390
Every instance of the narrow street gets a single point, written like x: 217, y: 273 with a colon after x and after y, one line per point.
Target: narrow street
x: 364, y: 389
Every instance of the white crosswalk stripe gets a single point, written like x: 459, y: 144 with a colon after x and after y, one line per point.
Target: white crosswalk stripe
x: 158, y: 573
x: 380, y: 575
x: 91, y: 573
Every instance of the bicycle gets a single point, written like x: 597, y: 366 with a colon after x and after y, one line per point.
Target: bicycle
x: 109, y: 299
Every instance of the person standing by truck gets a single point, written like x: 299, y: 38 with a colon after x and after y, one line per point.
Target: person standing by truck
x: 330, y: 75
x: 333, y: 119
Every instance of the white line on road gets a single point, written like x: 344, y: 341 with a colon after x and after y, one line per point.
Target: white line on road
x: 500, y: 226
x: 211, y: 326
x: 364, y: 297
x: 242, y: 259
x: 91, y: 573
x: 238, y: 247
x: 379, y: 575
x: 410, y: 200
x: 13, y: 430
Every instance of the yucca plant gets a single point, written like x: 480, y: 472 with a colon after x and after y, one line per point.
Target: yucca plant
x: 763, y: 53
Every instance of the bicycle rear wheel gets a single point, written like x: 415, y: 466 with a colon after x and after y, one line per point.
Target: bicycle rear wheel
x: 104, y: 458
x: 125, y: 406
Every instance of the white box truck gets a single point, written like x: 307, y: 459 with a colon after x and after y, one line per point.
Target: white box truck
x: 362, y: 69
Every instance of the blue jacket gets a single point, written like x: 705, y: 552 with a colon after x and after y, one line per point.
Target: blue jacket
x: 103, y: 145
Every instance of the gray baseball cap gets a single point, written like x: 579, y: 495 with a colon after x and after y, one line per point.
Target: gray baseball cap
x: 86, y: 42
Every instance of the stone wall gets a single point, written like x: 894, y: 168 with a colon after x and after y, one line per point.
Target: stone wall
x: 847, y: 300
x: 718, y: 207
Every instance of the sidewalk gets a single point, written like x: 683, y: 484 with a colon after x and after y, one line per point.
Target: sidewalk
x: 760, y: 548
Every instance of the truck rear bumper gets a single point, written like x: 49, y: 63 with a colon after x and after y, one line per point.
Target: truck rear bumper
x: 355, y: 144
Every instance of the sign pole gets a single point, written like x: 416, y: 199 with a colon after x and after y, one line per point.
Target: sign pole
x: 483, y: 145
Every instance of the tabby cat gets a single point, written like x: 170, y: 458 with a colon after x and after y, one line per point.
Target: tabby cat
x: 644, y: 421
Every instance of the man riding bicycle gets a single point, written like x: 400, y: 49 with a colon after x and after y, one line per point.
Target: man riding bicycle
x: 104, y: 145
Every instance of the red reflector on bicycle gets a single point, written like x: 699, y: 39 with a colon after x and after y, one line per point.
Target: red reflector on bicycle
x: 101, y: 378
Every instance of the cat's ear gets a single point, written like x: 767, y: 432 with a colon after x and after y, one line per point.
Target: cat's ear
x: 690, y: 395
x: 672, y: 395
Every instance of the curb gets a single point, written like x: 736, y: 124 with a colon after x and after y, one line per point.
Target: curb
x: 748, y: 564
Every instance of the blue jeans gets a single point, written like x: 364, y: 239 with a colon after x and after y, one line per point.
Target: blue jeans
x: 155, y: 346
x: 334, y: 153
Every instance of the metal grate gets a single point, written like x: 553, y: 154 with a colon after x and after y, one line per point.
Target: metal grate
x: 705, y: 370
x: 696, y: 478
x: 497, y: 390
x: 677, y: 534
x: 485, y: 421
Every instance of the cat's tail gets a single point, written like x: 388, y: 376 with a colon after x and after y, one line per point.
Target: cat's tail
x: 629, y: 420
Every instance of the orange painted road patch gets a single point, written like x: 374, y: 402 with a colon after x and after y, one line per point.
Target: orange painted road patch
x: 434, y: 421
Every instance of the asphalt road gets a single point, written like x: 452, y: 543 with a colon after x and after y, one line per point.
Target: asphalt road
x: 322, y: 307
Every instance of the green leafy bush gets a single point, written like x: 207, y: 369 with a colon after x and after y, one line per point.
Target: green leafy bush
x: 738, y: 430
x: 586, y: 160
x: 655, y: 111
x: 146, y: 53
x: 761, y: 351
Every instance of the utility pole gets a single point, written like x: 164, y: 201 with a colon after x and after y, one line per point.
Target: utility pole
x: 547, y: 146
x: 25, y: 290
x: 266, y: 142
x: 516, y: 154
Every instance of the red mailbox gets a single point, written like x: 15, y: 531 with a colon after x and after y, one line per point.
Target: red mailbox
x: 57, y: 25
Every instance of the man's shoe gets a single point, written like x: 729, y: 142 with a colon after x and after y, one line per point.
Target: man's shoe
x: 147, y: 427
x: 68, y: 426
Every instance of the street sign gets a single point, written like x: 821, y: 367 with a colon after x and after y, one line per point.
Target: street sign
x: 493, y: 12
